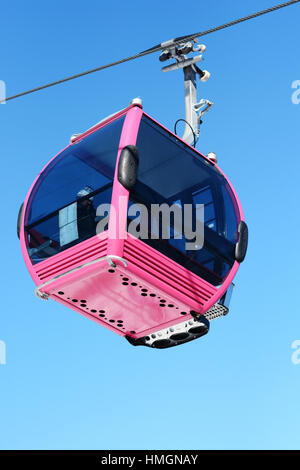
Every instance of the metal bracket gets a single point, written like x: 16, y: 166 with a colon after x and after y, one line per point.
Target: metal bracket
x: 110, y: 259
x: 194, y: 109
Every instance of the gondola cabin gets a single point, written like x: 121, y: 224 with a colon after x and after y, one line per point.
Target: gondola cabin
x: 92, y: 240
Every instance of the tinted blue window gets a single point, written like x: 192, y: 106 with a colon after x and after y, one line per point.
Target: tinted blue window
x: 81, y: 174
x: 171, y: 172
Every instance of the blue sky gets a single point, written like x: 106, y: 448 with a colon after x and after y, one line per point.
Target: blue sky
x: 69, y: 383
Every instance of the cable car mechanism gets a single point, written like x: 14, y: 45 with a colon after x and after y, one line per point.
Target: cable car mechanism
x: 87, y: 246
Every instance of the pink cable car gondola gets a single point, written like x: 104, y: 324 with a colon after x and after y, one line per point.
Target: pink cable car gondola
x: 85, y: 246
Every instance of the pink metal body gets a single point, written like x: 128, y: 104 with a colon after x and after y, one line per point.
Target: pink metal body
x: 151, y: 293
